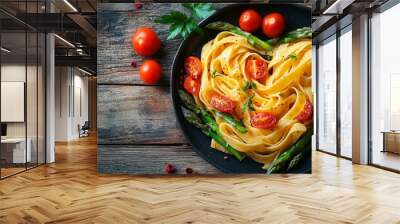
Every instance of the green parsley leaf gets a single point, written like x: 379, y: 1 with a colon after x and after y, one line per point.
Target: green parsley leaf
x: 249, y: 85
x: 246, y: 86
x: 251, y: 107
x: 200, y: 10
x: 171, y: 18
x: 215, y: 74
x: 293, y: 57
x: 180, y: 24
x: 183, y: 25
x: 267, y: 57
x: 248, y: 103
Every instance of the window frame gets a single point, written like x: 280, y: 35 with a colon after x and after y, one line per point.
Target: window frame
x: 381, y: 9
x: 339, y: 32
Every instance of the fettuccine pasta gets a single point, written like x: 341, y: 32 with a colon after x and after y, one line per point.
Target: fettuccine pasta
x: 284, y: 93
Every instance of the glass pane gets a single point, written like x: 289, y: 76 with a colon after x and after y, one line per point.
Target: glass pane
x: 31, y: 87
x: 327, y: 95
x: 31, y: 98
x: 346, y: 93
x: 13, y: 89
x: 385, y: 84
x: 41, y: 98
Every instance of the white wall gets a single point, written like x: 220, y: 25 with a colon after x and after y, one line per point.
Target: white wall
x: 70, y: 83
x: 62, y: 81
x: 17, y: 73
x: 33, y: 126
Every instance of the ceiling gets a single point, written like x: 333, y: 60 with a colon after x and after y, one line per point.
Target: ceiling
x: 73, y: 20
x: 332, y: 15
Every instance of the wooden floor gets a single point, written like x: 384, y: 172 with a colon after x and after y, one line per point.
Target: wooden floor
x: 386, y: 159
x: 70, y: 191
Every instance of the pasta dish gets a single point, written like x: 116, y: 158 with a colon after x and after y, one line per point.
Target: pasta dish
x: 256, y: 102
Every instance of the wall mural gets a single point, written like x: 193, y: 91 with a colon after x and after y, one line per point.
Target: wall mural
x: 201, y: 88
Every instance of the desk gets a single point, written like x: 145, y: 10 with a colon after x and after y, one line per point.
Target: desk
x: 391, y: 141
x: 16, y: 147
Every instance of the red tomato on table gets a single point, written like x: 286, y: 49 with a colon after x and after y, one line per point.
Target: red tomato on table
x: 150, y: 72
x: 145, y: 41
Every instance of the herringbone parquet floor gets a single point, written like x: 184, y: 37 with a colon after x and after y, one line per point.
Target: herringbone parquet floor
x: 70, y: 191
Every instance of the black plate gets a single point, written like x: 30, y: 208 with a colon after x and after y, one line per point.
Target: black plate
x: 296, y: 16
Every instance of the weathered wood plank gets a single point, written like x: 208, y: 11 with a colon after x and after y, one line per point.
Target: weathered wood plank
x: 115, y: 52
x: 116, y: 25
x: 149, y: 159
x: 136, y: 115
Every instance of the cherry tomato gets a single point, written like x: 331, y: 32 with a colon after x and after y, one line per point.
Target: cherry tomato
x: 263, y: 120
x: 256, y: 69
x: 250, y: 20
x: 273, y: 25
x: 145, y: 41
x: 222, y: 103
x: 193, y: 67
x: 307, y: 113
x: 191, y: 85
x: 150, y: 72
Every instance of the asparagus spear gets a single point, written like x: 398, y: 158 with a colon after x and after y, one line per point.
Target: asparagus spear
x: 209, y: 120
x: 232, y: 121
x: 194, y: 119
x: 192, y: 115
x: 300, y: 33
x: 253, y: 40
x: 292, y: 164
x: 188, y: 101
x: 296, y: 160
x: 240, y: 156
x: 277, y: 168
x: 285, y: 157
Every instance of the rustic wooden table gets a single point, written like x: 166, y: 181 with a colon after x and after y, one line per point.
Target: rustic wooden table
x: 138, y: 132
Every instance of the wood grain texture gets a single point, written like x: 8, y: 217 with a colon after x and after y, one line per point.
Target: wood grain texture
x: 71, y: 191
x: 149, y: 159
x: 136, y: 115
x: 115, y: 52
x: 116, y: 25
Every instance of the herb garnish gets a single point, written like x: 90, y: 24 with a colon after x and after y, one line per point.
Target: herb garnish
x: 293, y: 57
x: 249, y: 85
x: 267, y: 57
x: 248, y: 103
x: 200, y: 10
x: 215, y: 74
x: 183, y: 24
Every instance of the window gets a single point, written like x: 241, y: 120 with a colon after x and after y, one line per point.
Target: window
x: 327, y: 95
x: 22, y: 78
x: 345, y: 42
x: 385, y: 89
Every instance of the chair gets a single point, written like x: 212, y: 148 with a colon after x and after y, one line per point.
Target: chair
x: 84, y: 130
